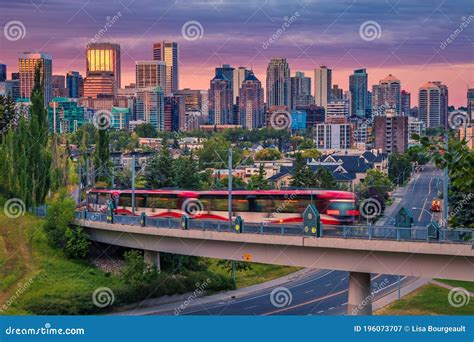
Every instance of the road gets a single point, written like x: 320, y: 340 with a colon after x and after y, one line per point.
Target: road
x: 325, y: 292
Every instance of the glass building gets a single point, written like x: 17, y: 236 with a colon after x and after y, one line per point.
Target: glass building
x: 65, y: 115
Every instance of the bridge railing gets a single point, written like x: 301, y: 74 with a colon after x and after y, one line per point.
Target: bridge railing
x: 465, y: 236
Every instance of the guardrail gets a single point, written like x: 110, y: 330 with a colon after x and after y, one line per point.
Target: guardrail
x: 464, y: 236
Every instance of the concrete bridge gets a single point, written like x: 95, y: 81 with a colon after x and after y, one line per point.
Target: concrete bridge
x: 360, y: 257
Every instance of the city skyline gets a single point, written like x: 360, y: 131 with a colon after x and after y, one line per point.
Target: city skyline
x: 240, y: 34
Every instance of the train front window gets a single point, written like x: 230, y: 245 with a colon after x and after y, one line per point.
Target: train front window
x: 341, y: 208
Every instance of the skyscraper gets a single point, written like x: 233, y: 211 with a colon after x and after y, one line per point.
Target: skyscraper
x: 150, y: 74
x: 387, y: 95
x: 240, y: 74
x: 391, y: 132
x: 470, y: 103
x: 26, y: 67
x: 168, y: 52
x: 3, y: 72
x: 220, y: 100
x: 322, y: 85
x: 278, y: 83
x: 251, y: 107
x: 431, y: 104
x: 336, y: 93
x: 301, y: 90
x: 100, y: 85
x: 74, y: 84
x: 444, y: 99
x: 104, y: 59
x: 228, y: 73
x: 150, y: 106
x: 59, y: 86
x: 358, y: 89
x: 406, y: 102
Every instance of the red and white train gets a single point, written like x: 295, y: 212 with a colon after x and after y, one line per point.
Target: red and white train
x: 272, y: 206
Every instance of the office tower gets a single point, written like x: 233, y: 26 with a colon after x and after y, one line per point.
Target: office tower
x: 26, y: 67
x: 59, y: 86
x: 386, y: 95
x: 337, y: 109
x: 432, y: 104
x: 391, y: 132
x: 301, y: 90
x: 196, y: 108
x: 150, y: 107
x: 104, y: 58
x: 415, y: 126
x: 322, y: 85
x: 3, y: 72
x: 240, y: 74
x: 470, y: 103
x: 65, y: 115
x: 337, y: 93
x: 314, y: 114
x: 405, y: 102
x: 228, y: 73
x: 333, y: 136
x: 175, y: 113
x: 278, y: 83
x: 168, y: 52
x: 15, y: 76
x: 100, y: 86
x: 121, y: 117
x: 74, y: 84
x: 443, y: 104
x: 358, y: 89
x: 220, y: 100
x: 251, y: 107
x: 150, y: 74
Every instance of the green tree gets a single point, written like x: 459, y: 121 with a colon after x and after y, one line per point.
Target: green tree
x: 185, y: 170
x: 324, y: 179
x: 311, y: 153
x: 102, y: 156
x: 259, y: 181
x: 146, y: 130
x: 268, y: 154
x: 8, y: 115
x: 399, y: 168
x: 137, y: 273
x: 77, y: 243
x: 159, y: 172
x: 302, y: 176
x: 59, y: 217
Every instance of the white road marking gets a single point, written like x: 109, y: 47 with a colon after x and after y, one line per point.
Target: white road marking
x: 309, y: 291
x: 343, y: 304
x: 332, y: 307
x: 328, y: 285
x: 250, y: 307
x: 320, y: 311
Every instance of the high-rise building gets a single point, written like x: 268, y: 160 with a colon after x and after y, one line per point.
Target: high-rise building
x: 104, y: 58
x: 278, y: 83
x: 121, y: 117
x: 337, y: 93
x: 168, y: 52
x: 220, y: 100
x: 406, y: 102
x: 3, y: 72
x: 322, y: 85
x: 74, y: 84
x: 175, y: 113
x: 470, y: 103
x: 444, y: 99
x: 432, y: 104
x: 301, y: 90
x: 358, y: 89
x: 314, y: 114
x: 65, y: 115
x: 150, y: 107
x: 333, y: 136
x: 26, y: 68
x: 240, y: 74
x: 337, y: 109
x: 150, y: 74
x: 228, y: 73
x: 59, y: 86
x: 100, y: 85
x: 391, y: 132
x: 251, y: 106
x: 387, y: 95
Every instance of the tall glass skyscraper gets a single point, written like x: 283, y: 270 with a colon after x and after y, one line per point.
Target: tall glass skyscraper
x: 322, y: 86
x: 3, y: 72
x: 150, y: 74
x: 104, y: 58
x: 220, y: 100
x: 150, y: 107
x: 387, y: 95
x: 358, y: 88
x: 26, y: 67
x: 251, y: 107
x: 74, y: 84
x: 278, y: 83
x: 433, y: 104
x: 168, y: 52
x: 240, y: 74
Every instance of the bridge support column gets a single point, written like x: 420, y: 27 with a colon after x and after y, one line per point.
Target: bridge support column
x: 360, y: 297
x: 152, y: 258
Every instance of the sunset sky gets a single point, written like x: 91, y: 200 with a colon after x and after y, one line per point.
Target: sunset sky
x: 235, y: 32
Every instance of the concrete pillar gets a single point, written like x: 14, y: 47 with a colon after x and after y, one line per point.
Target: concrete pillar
x: 360, y: 296
x: 152, y: 258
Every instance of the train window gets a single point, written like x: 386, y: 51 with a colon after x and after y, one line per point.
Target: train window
x: 162, y: 202
x: 264, y: 205
x: 92, y: 198
x: 103, y: 198
x: 125, y: 200
x: 140, y: 201
x: 219, y: 204
x: 240, y: 204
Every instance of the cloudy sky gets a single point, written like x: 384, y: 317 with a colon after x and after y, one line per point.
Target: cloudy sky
x: 407, y: 38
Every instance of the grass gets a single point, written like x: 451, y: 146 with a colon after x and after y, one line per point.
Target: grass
x: 468, y: 285
x: 259, y: 273
x: 428, y: 300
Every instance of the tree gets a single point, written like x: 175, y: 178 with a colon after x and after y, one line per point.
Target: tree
x: 185, y: 170
x: 59, y: 217
x: 376, y: 185
x: 399, y: 168
x: 137, y: 273
x: 418, y: 154
x: 303, y: 176
x: 146, y: 130
x: 159, y: 173
x: 325, y: 179
x: 77, y: 243
x: 268, y: 154
x: 258, y: 181
x: 311, y: 153
x: 102, y: 155
x: 239, y: 266
x: 8, y: 115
